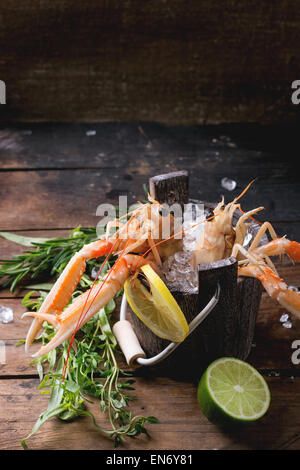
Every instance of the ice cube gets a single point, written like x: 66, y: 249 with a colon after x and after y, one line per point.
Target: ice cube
x: 182, y: 257
x: 228, y: 184
x: 193, y: 225
x: 284, y: 318
x: 94, y: 273
x: 90, y: 133
x: 247, y: 239
x: 287, y: 324
x: 6, y: 314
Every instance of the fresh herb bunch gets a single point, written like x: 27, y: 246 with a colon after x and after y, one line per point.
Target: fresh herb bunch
x: 92, y: 370
x: 46, y: 258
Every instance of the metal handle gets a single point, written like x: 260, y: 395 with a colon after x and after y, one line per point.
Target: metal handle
x: 172, y: 346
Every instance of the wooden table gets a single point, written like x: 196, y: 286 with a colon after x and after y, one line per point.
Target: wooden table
x: 53, y: 177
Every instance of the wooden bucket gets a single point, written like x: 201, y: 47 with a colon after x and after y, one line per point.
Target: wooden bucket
x: 229, y: 328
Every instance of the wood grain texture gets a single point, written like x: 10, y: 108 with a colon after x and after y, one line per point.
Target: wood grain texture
x: 119, y: 159
x: 171, y: 188
x: 182, y: 425
x: 222, y: 62
x: 68, y: 161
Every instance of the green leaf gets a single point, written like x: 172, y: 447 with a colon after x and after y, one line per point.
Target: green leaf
x: 40, y: 370
x: 152, y: 419
x: 21, y: 240
x: 110, y: 307
x: 105, y: 326
x: 42, y: 419
x: 46, y: 286
x: 72, y: 386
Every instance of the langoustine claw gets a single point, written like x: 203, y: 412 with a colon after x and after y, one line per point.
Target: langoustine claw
x: 273, y: 284
x: 134, y: 236
x: 87, y: 304
x: 64, y: 287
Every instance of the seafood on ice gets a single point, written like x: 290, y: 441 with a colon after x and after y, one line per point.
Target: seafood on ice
x: 140, y: 240
x: 136, y: 242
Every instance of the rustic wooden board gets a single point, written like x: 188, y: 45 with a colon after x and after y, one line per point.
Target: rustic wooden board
x: 89, y: 167
x: 54, y: 180
x: 72, y: 197
x: 161, y: 61
x: 146, y: 145
x: 182, y: 425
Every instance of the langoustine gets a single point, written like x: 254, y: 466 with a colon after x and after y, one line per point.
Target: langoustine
x: 135, y: 242
x: 221, y: 239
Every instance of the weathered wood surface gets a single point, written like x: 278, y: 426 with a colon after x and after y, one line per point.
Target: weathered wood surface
x: 170, y: 188
x: 76, y: 172
x: 65, y: 202
x: 228, y: 61
x: 182, y: 425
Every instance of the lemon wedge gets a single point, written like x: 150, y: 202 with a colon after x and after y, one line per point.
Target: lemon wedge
x: 156, y: 307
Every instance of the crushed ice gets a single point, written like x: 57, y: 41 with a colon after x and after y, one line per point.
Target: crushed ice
x: 228, y: 184
x: 94, y: 273
x: 178, y: 270
x: 6, y: 314
x: 90, y: 133
x: 285, y: 321
x: 284, y: 318
x: 247, y: 239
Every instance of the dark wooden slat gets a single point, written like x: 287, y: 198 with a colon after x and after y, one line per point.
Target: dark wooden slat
x: 182, y: 425
x: 139, y: 152
x: 271, y: 150
x: 60, y: 199
x: 66, y: 199
x: 156, y: 61
x: 171, y: 188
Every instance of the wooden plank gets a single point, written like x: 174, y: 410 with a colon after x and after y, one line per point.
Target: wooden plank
x: 240, y: 152
x: 60, y: 199
x: 165, y: 62
x: 65, y: 199
x: 182, y: 425
x: 270, y: 150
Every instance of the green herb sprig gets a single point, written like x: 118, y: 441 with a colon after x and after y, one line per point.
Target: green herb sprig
x: 46, y: 258
x: 93, y: 370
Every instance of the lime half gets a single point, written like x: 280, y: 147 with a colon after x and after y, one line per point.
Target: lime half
x: 156, y: 307
x: 232, y: 390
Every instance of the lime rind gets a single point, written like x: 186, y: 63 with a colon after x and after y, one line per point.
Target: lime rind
x: 231, y: 389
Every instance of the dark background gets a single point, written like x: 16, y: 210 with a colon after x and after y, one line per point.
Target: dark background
x: 101, y: 96
x: 172, y: 61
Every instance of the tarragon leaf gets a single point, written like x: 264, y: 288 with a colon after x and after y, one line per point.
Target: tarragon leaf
x: 21, y: 240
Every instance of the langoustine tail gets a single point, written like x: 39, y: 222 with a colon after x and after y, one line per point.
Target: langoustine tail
x: 89, y: 303
x: 65, y: 285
